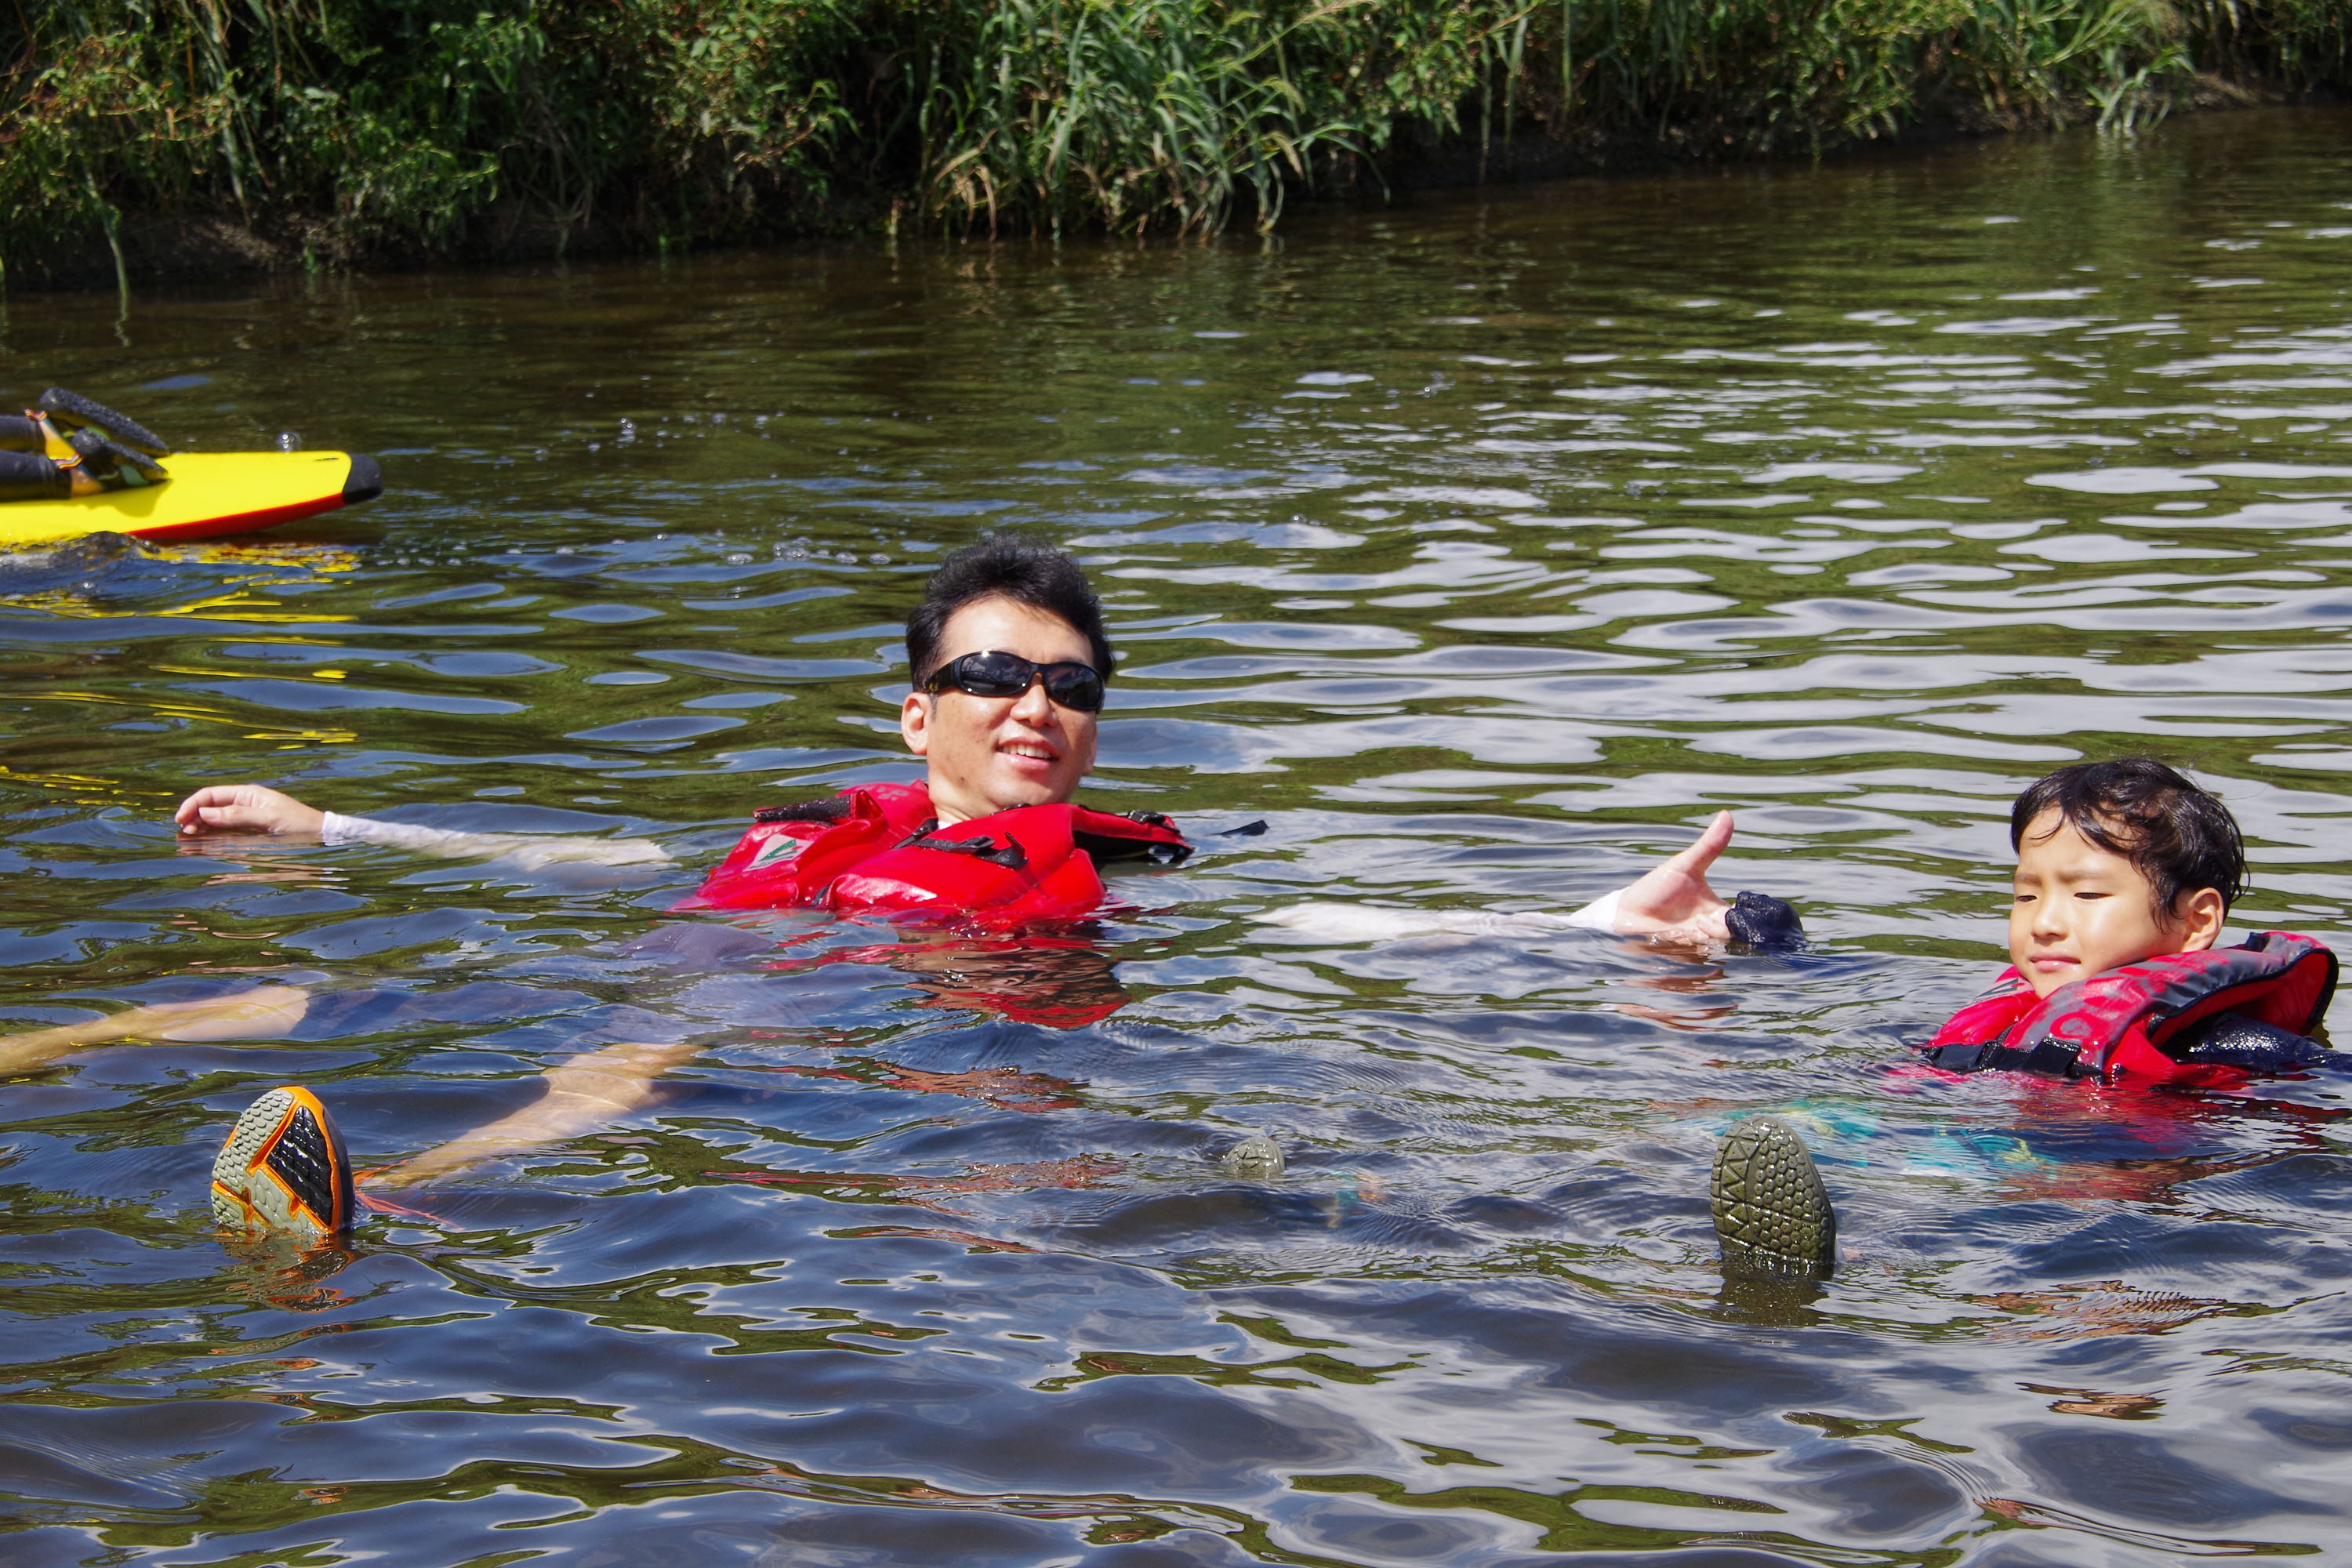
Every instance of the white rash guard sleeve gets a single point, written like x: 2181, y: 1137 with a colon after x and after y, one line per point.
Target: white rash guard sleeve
x: 1601, y: 914
x: 526, y: 849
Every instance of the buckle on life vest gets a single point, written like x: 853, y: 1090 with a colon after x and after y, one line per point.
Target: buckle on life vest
x: 1012, y: 856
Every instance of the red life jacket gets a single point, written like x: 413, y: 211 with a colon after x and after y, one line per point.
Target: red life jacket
x: 880, y: 849
x: 2117, y: 1025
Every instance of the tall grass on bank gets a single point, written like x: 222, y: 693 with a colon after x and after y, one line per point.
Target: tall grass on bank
x: 340, y: 129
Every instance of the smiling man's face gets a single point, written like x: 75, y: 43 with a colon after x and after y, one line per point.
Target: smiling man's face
x: 991, y: 754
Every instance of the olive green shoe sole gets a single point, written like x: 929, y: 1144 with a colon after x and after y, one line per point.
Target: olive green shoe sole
x: 1771, y: 1212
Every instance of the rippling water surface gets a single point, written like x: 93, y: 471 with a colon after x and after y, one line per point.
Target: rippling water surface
x: 1484, y: 545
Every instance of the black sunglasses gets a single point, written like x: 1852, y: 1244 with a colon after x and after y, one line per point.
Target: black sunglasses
x: 995, y: 674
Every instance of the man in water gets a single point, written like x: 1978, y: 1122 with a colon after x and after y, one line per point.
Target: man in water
x: 1009, y: 658
x: 982, y: 754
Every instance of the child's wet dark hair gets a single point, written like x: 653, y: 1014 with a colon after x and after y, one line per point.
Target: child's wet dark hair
x: 1005, y: 564
x: 2174, y: 834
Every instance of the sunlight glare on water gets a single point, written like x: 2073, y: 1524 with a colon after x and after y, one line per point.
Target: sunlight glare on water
x: 1483, y: 544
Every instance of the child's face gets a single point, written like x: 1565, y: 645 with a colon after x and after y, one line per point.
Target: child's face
x: 2080, y: 909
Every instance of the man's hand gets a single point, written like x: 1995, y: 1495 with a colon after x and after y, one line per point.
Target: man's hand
x: 249, y: 809
x: 1674, y: 902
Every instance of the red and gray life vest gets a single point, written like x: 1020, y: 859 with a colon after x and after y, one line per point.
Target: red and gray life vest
x: 881, y: 849
x: 2117, y: 1025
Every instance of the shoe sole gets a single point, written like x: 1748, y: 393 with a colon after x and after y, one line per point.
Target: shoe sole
x: 1259, y: 1156
x: 284, y: 1169
x: 1771, y: 1212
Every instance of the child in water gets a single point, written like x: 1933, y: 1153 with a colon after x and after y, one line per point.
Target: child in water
x: 2126, y: 871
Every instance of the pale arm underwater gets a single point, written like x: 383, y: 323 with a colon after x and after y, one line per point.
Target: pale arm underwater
x: 255, y: 808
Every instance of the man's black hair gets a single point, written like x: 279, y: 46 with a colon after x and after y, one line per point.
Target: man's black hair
x: 2174, y: 834
x: 1004, y: 565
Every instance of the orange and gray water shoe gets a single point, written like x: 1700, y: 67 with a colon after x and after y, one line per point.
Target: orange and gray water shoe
x: 284, y: 1169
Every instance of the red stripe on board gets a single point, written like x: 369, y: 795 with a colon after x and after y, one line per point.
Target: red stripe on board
x: 240, y: 522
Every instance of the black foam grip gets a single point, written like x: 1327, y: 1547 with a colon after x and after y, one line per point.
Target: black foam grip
x: 28, y: 475
x: 73, y: 408
x: 832, y: 808
x: 18, y: 434
x: 105, y: 456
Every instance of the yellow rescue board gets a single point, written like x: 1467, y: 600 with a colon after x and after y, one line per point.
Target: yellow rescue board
x: 208, y: 494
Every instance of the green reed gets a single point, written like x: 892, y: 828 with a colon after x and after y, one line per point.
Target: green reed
x: 342, y: 128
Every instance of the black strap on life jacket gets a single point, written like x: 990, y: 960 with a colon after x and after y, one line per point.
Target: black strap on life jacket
x: 1105, y: 846
x: 2052, y: 1058
x: 1101, y: 847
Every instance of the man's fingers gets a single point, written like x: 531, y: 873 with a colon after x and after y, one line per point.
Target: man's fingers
x: 244, y: 808
x: 189, y: 814
x: 223, y: 806
x: 1694, y: 861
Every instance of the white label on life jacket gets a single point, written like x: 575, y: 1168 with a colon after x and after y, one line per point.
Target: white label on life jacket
x: 783, y: 846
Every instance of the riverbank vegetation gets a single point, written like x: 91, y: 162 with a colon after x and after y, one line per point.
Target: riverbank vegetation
x: 329, y: 131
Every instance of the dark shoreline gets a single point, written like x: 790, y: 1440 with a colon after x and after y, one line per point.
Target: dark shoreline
x: 169, y: 250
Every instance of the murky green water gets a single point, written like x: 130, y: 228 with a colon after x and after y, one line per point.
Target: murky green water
x: 1484, y: 545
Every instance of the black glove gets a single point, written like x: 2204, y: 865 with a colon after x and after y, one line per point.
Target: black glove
x: 1764, y: 922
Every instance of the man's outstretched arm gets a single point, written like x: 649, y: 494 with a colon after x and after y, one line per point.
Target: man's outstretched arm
x: 1671, y: 904
x: 256, y: 808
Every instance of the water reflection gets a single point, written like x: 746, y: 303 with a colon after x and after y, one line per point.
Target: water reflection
x: 1064, y: 982
x: 1484, y: 545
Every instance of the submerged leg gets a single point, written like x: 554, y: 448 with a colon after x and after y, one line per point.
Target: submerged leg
x: 1771, y: 1212
x: 583, y: 1092
x: 265, y: 1012
x: 284, y: 1160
